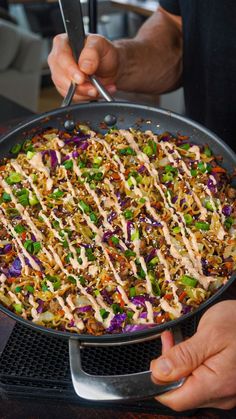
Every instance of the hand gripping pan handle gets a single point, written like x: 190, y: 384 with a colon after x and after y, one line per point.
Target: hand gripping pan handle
x: 116, y: 387
x: 71, y: 12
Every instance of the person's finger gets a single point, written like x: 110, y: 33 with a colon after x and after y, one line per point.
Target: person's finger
x: 167, y: 340
x: 181, y: 359
x: 96, y: 47
x: 62, y: 62
x: 199, y: 389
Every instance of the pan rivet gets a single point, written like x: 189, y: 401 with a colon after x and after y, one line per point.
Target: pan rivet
x: 110, y: 120
x: 69, y: 125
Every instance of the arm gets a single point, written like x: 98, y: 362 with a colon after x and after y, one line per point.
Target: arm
x: 151, y: 62
x: 207, y: 359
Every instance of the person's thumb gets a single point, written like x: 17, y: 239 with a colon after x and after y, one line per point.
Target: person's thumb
x: 96, y: 47
x: 181, y: 359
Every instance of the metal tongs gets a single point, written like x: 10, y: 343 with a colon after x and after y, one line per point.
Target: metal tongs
x: 71, y: 12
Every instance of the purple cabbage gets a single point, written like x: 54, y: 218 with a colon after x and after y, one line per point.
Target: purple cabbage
x: 143, y: 315
x: 72, y: 323
x: 151, y: 255
x: 84, y: 309
x: 211, y: 185
x: 174, y: 199
x: 107, y: 235
x: 129, y: 229
x: 83, y: 146
x: 137, y: 327
x: 40, y: 305
x: 116, y: 323
x: 111, y: 216
x: 142, y: 169
x: 15, y: 268
x: 139, y: 300
x: 53, y: 157
x: 186, y: 309
x: 106, y: 296
x: 77, y: 139
x: 227, y: 210
x: 7, y: 248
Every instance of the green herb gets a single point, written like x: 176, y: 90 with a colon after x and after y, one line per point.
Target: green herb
x: 65, y: 244
x: 130, y: 314
x: 55, y: 280
x: 82, y: 280
x: 44, y: 286
x: 15, y: 149
x: 18, y: 308
x: 23, y: 197
x: 132, y: 292
x: 202, y: 167
x: 96, y: 293
x: 202, y: 225
x: 155, y: 286
x: 104, y: 314
x: 29, y: 288
x: 68, y: 256
x: 6, y: 197
x: 129, y: 253
x: 142, y: 200
x: 32, y: 247
x: 71, y: 279
x: 128, y: 214
x: 228, y: 222
x: 128, y: 151
x: 188, y: 280
x: 97, y: 176
x: 80, y: 260
x: 18, y: 289
x: 57, y: 194
x: 19, y: 228
x: 68, y: 164
x: 188, y: 219
x: 36, y: 247
x: 170, y: 169
x: 208, y: 205
x: 13, y: 178
x: 28, y: 146
x: 176, y: 230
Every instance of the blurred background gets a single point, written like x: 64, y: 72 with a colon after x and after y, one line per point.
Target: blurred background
x: 27, y: 28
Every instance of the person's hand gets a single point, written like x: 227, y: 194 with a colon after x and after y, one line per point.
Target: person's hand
x: 98, y: 56
x: 207, y: 359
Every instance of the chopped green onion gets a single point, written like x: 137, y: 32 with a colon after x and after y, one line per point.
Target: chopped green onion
x: 65, y: 244
x: 128, y: 214
x: 96, y: 293
x: 128, y: 151
x: 147, y: 149
x: 202, y: 167
x: 170, y: 169
x: 132, y: 292
x: 6, y: 197
x: 90, y: 255
x: 116, y: 308
x: 30, y: 154
x: 130, y: 314
x: 188, y: 219
x: 18, y: 289
x: 80, y: 261
x: 82, y: 280
x: 15, y: 149
x: 104, y: 314
x: 129, y: 253
x: 33, y: 200
x: 142, y: 200
x: 36, y: 247
x: 68, y: 164
x: 85, y: 207
x: 44, y: 287
x: 97, y: 161
x: 193, y: 172
x: 18, y: 308
x: 93, y: 217
x: 115, y: 239
x: 154, y: 261
x: 167, y: 177
x: 207, y: 152
x: 71, y: 279
x: 135, y: 235
x: 97, y: 176
x: 176, y: 230
x: 19, y: 228
x: 28, y: 245
x: 29, y: 288
x: 228, y: 222
x: 202, y: 225
x: 55, y: 223
x: 185, y: 146
x: 57, y: 194
x: 13, y: 178
x: 208, y: 205
x: 188, y: 280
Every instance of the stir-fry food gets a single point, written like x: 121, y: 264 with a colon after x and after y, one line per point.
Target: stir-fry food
x: 113, y: 233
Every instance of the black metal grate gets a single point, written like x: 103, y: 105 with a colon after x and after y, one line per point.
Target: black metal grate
x: 34, y: 363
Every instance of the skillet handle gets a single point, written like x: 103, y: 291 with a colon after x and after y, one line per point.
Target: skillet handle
x: 113, y: 387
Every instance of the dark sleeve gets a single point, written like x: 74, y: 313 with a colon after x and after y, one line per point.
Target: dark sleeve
x: 171, y: 6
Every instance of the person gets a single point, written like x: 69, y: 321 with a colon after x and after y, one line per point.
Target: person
x: 190, y: 44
